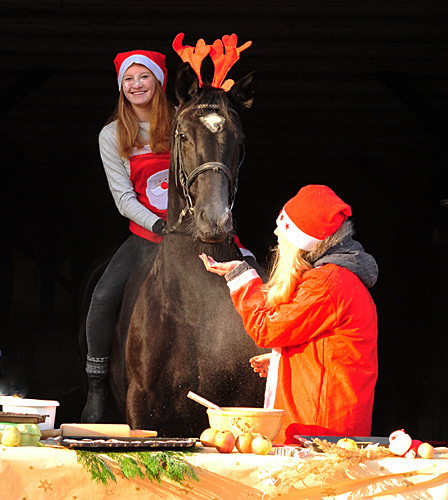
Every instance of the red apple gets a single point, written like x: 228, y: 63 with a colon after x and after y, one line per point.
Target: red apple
x: 243, y: 442
x: 261, y: 445
x: 207, y: 437
x: 224, y: 441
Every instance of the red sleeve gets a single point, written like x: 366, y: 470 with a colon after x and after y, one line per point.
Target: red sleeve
x: 309, y: 313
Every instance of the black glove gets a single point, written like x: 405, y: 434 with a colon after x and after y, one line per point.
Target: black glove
x: 159, y: 227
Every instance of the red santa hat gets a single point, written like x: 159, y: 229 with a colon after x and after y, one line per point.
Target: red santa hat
x: 314, y: 213
x: 154, y: 61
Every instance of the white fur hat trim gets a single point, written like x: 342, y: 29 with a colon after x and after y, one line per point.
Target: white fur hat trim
x: 145, y: 61
x: 293, y: 234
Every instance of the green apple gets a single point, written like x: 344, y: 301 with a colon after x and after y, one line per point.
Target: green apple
x: 11, y: 437
x: 348, y: 444
x: 426, y: 450
x: 243, y: 442
x: 261, y: 445
x: 207, y: 437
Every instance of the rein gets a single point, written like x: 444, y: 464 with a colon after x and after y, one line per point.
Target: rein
x: 186, y: 180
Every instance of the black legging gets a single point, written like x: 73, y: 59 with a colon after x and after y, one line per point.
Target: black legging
x: 109, y: 292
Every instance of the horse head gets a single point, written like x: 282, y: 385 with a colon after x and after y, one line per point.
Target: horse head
x: 207, y: 151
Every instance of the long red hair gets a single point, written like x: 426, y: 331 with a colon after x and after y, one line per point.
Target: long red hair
x: 161, y: 113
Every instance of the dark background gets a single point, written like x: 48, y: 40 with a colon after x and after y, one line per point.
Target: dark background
x: 352, y: 94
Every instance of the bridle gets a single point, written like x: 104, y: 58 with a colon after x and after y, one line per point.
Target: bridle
x: 186, y: 180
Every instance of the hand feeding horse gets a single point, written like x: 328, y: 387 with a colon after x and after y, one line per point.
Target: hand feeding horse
x: 178, y: 330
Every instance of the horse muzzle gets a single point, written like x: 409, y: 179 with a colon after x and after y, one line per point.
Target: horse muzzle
x: 213, y: 226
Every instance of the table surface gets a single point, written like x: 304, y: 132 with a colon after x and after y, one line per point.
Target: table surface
x: 37, y: 472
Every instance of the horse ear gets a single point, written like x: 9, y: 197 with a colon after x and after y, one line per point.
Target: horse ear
x: 187, y: 84
x: 243, y: 91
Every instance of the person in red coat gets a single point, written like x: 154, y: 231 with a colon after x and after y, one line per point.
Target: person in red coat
x: 317, y: 315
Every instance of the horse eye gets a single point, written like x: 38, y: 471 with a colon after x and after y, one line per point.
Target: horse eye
x: 182, y: 137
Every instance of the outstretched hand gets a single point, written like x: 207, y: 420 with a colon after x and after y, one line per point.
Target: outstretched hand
x: 220, y: 268
x: 260, y: 364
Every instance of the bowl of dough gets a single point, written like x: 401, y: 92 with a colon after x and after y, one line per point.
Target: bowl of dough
x: 240, y: 419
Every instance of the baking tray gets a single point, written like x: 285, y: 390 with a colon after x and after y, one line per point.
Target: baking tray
x: 21, y: 418
x: 360, y: 441
x: 127, y: 442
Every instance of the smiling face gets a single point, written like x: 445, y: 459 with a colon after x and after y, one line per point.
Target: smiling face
x: 139, y: 86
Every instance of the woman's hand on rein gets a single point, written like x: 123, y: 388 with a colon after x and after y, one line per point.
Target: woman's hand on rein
x: 220, y: 268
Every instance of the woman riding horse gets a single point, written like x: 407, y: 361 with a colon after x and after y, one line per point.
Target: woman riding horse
x: 134, y: 147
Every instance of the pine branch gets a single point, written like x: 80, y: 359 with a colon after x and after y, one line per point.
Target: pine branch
x: 96, y: 465
x: 151, y: 464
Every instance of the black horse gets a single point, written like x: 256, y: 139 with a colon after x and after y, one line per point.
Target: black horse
x: 178, y: 329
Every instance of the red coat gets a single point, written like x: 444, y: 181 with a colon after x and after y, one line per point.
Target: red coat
x: 328, y: 335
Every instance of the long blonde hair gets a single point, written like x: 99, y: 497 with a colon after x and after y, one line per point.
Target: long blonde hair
x: 286, y: 269
x: 161, y: 113
x: 289, y: 265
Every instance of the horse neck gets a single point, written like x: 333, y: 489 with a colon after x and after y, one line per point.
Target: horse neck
x: 176, y: 202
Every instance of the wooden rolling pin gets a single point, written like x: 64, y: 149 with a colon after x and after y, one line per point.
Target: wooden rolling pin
x: 47, y: 433
x: 104, y: 430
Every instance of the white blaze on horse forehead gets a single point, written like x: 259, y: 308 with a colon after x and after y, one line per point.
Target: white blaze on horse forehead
x: 214, y: 122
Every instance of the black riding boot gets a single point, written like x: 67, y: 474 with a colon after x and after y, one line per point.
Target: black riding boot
x: 97, y: 370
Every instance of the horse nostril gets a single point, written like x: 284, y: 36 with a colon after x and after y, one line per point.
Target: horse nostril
x: 227, y: 217
x: 203, y: 217
x: 214, y: 225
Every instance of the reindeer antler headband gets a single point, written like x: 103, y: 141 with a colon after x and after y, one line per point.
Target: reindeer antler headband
x: 222, y: 59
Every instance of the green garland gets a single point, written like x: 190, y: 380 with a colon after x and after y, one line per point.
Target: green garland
x: 141, y: 464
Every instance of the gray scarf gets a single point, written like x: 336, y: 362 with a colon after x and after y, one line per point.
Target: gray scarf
x: 350, y: 254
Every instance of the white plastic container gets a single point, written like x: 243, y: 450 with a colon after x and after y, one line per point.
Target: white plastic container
x: 32, y: 407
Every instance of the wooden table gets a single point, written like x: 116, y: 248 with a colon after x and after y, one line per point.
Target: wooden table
x: 37, y: 473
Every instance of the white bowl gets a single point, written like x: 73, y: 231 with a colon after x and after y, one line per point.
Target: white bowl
x: 238, y: 420
x: 11, y: 404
